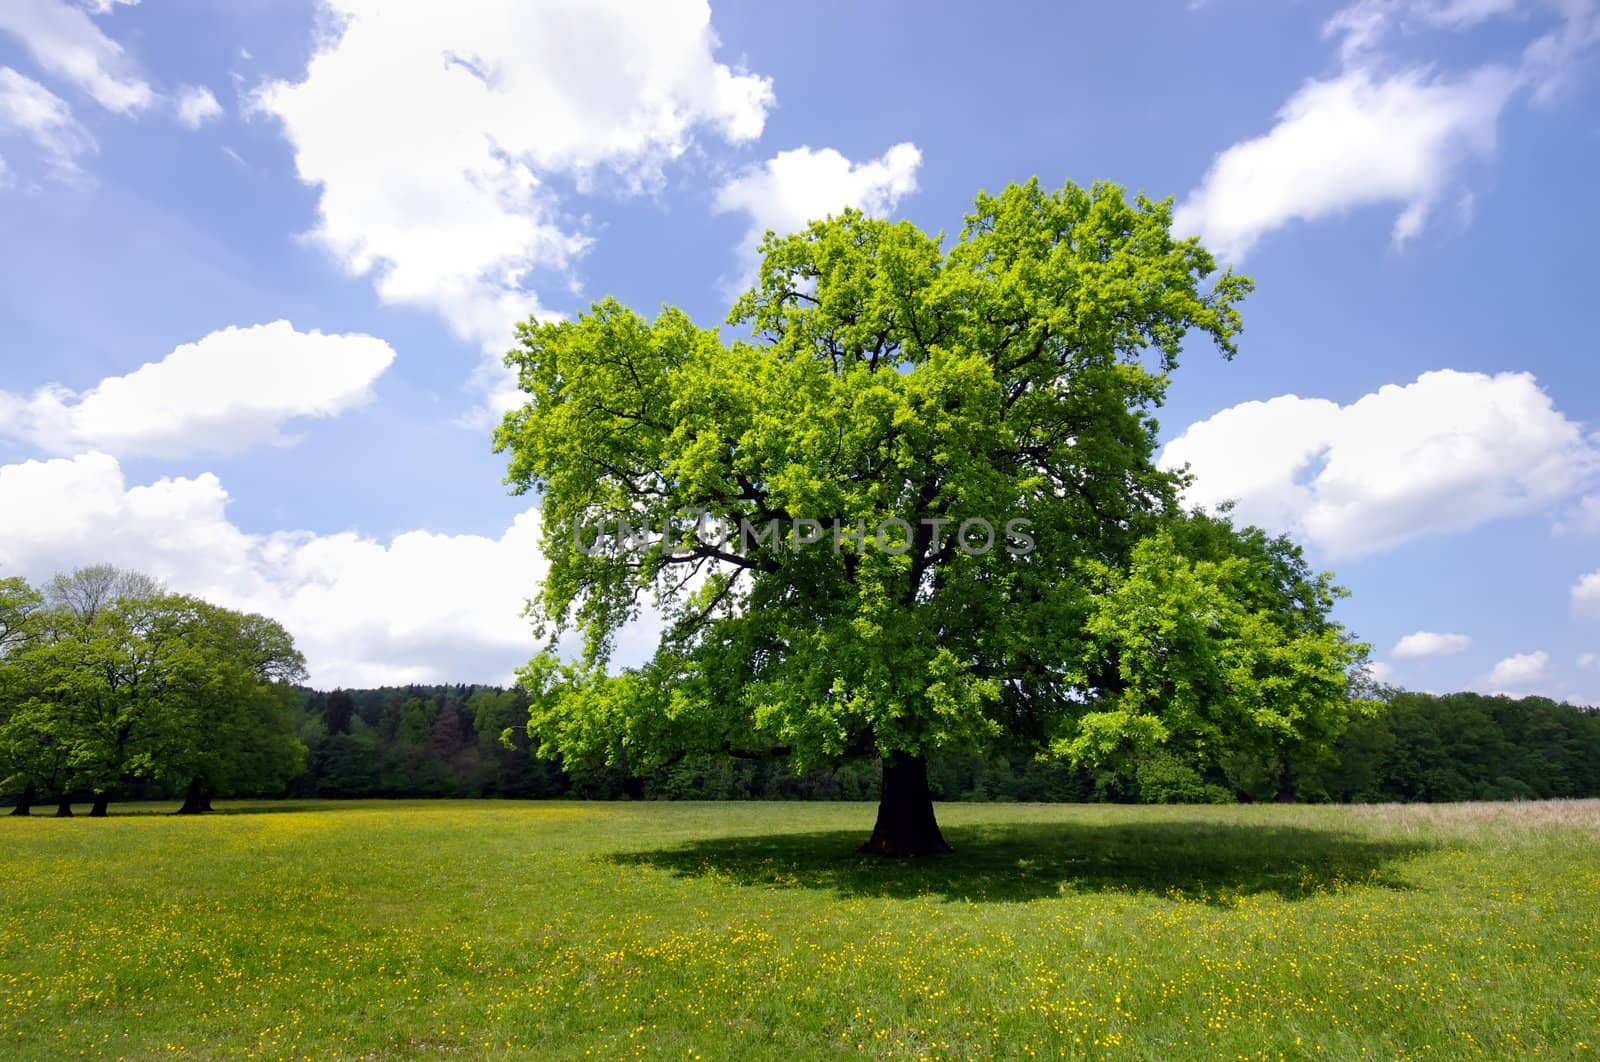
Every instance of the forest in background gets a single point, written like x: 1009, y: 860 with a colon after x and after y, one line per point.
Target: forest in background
x: 472, y: 741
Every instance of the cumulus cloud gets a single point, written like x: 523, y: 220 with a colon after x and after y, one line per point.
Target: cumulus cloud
x: 1353, y: 140
x: 1448, y: 452
x: 1589, y: 662
x: 1378, y: 131
x: 64, y: 41
x: 795, y: 187
x: 1519, y: 671
x: 363, y: 611
x: 1429, y: 643
x: 233, y: 389
x: 419, y: 607
x: 28, y: 108
x: 197, y: 106
x: 432, y: 136
x: 1586, y: 595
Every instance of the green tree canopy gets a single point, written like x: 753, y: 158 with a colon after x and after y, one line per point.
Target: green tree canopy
x: 86, y: 692
x: 119, y: 680
x: 1218, y: 642
x: 903, y: 403
x: 19, y: 604
x: 20, y: 626
x: 231, y: 724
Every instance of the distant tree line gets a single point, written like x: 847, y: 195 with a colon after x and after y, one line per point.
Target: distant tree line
x: 112, y: 688
x: 472, y: 741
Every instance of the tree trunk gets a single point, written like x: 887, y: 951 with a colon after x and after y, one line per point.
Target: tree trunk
x: 64, y: 809
x: 906, y: 826
x: 197, y: 801
x: 25, y: 802
x: 101, y: 802
x: 1286, y: 788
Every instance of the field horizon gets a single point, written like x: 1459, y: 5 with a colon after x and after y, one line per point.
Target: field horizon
x: 497, y: 929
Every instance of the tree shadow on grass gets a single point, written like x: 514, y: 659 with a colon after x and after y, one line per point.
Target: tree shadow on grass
x: 1206, y: 862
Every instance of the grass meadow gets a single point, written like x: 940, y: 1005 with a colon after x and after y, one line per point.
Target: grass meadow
x: 480, y: 929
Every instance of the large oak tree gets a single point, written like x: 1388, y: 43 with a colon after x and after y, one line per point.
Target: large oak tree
x: 877, y: 380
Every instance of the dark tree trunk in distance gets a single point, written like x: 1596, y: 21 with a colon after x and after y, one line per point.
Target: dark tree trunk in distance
x: 197, y: 801
x: 25, y: 802
x: 1286, y: 789
x: 64, y: 809
x: 906, y: 826
x: 101, y: 802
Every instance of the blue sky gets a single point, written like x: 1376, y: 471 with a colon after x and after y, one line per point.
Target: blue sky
x: 257, y: 261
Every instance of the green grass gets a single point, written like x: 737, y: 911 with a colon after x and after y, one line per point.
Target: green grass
x: 707, y: 930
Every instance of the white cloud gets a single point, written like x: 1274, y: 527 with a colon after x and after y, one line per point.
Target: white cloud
x: 1356, y: 139
x: 1586, y: 595
x: 1366, y: 25
x: 1552, y: 62
x: 431, y: 136
x: 1381, y: 671
x: 197, y: 106
x: 1519, y: 671
x: 1429, y: 643
x: 796, y: 187
x: 29, y: 108
x: 228, y: 391
x: 421, y: 607
x: 1547, y: 64
x: 1446, y: 453
x: 1381, y: 132
x: 65, y: 41
x: 1582, y: 519
x: 103, y: 7
x: 1589, y: 662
